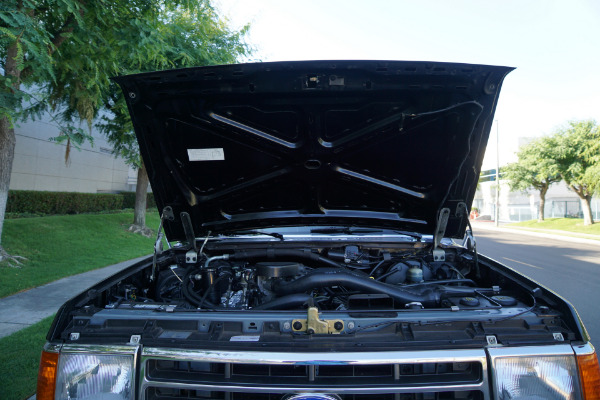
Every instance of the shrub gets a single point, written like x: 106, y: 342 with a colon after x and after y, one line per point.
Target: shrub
x: 129, y: 200
x: 37, y: 202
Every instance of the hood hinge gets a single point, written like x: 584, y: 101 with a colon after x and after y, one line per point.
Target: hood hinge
x: 440, y: 230
x: 188, y: 229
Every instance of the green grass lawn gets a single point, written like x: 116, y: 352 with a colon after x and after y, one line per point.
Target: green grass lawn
x: 63, y: 245
x: 20, y: 358
x: 563, y: 224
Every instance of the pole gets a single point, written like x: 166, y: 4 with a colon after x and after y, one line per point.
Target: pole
x: 496, y: 208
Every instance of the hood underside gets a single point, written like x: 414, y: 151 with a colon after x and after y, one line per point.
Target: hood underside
x: 384, y: 144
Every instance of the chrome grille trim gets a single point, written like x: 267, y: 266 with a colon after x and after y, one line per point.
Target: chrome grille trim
x: 316, y: 358
x: 100, y: 349
x: 320, y: 389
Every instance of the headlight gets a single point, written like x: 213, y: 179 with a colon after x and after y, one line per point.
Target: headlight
x: 536, y: 377
x: 94, y: 376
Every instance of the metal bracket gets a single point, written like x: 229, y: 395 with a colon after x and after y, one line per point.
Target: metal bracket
x: 461, y: 210
x: 491, y: 340
x: 313, y: 324
x: 440, y: 229
x: 191, y: 257
x: 168, y: 214
x: 188, y: 229
x: 439, y: 255
x: 135, y: 339
x: 469, y: 241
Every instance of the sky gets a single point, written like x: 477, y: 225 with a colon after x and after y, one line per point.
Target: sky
x: 554, y: 46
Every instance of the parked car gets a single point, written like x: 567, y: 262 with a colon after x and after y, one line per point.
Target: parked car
x: 313, y: 213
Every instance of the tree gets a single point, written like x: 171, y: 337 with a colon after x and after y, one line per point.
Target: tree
x: 181, y: 39
x: 576, y: 147
x: 535, y: 169
x: 68, y: 50
x: 30, y: 34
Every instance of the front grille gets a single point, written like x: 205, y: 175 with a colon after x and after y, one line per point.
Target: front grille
x: 313, y: 375
x: 183, y: 394
x: 430, y: 375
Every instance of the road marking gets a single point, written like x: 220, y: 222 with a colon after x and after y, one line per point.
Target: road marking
x: 521, y: 262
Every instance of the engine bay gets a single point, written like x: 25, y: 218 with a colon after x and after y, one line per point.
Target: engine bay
x: 343, y: 278
x: 282, y: 293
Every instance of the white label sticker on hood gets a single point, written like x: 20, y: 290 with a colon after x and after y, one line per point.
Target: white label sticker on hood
x: 214, y: 154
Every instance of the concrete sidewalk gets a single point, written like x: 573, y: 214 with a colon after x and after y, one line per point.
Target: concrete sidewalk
x: 26, y: 308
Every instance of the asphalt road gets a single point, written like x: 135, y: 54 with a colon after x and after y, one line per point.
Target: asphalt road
x: 570, y: 269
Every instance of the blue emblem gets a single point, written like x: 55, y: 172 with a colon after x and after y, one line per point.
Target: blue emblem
x: 311, y: 396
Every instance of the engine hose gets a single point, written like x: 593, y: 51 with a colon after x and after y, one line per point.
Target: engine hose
x: 463, y: 290
x: 326, y: 277
x: 269, y: 254
x: 440, y: 282
x: 191, y: 296
x: 285, y: 302
x: 209, y: 291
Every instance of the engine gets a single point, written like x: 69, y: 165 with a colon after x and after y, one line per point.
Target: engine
x: 345, y: 278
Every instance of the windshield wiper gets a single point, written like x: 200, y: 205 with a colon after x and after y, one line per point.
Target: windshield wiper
x: 345, y: 230
x: 358, y: 231
x: 411, y: 234
x: 272, y: 234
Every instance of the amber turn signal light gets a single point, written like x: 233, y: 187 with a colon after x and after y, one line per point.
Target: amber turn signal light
x: 589, y: 375
x: 46, y: 383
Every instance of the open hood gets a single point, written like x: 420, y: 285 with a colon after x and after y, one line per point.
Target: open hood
x: 384, y: 144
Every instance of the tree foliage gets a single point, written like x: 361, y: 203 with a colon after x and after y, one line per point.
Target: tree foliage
x: 30, y: 33
x: 535, y: 169
x: 64, y: 52
x: 180, y: 37
x: 67, y: 51
x: 576, y: 148
x: 571, y: 154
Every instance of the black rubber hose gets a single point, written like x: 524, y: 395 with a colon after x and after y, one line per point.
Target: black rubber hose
x: 441, y: 282
x: 294, y: 254
x: 209, y: 290
x: 190, y: 295
x: 326, y: 277
x: 285, y: 302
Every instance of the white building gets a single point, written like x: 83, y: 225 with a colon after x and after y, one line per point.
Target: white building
x: 520, y: 206
x: 39, y: 163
